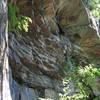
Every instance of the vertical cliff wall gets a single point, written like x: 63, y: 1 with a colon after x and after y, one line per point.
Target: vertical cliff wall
x: 58, y: 30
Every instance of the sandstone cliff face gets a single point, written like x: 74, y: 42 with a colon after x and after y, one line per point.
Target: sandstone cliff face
x: 57, y: 30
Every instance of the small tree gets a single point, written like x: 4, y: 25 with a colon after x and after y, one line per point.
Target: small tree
x: 4, y: 66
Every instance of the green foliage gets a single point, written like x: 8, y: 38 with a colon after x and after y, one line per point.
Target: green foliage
x: 94, y: 6
x: 84, y: 79
x: 89, y: 74
x: 12, y: 15
x: 17, y: 21
x: 23, y: 23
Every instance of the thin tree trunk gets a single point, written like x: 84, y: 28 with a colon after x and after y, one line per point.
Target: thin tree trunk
x: 4, y: 66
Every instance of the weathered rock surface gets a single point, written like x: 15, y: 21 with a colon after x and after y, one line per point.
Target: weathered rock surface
x: 58, y: 30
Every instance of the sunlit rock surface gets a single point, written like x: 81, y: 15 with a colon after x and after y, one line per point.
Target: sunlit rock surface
x: 59, y: 29
x: 36, y: 57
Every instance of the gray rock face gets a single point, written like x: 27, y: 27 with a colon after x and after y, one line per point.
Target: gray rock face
x: 35, y: 58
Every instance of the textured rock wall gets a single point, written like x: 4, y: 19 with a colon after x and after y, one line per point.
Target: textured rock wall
x: 57, y: 30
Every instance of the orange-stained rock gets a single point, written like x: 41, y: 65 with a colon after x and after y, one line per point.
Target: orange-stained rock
x: 37, y: 56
